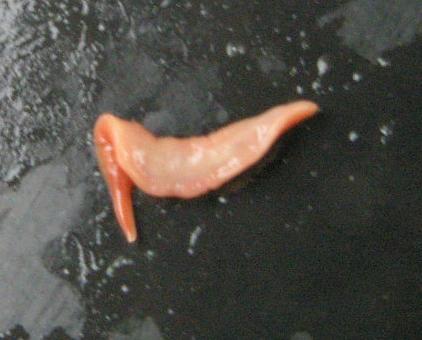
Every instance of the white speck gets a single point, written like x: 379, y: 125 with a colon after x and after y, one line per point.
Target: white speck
x: 353, y: 136
x: 356, y: 76
x: 193, y: 239
x: 165, y: 3
x: 316, y: 85
x: 288, y: 38
x: 222, y: 200
x: 322, y: 66
x: 83, y: 267
x: 314, y: 173
x: 386, y: 131
x: 101, y: 216
x: 124, y: 289
x: 383, y: 63
x: 304, y: 45
x: 302, y: 34
x: 203, y: 11
x: 101, y: 27
x: 94, y: 265
x: 299, y: 89
x: 170, y: 311
x: 351, y: 178
x: 85, y: 8
x: 150, y: 254
x: 234, y: 50
x: 293, y: 71
x: 66, y: 271
x: 116, y: 264
x: 54, y: 31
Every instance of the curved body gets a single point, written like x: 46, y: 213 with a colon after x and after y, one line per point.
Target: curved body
x: 130, y: 155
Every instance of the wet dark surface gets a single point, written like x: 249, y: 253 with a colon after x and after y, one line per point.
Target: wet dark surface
x: 321, y: 243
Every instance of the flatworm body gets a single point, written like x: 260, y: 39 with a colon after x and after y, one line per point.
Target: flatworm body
x: 129, y: 155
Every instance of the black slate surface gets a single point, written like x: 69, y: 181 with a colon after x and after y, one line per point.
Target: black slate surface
x: 322, y: 242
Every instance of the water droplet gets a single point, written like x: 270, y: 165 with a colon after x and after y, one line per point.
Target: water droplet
x: 299, y: 89
x: 383, y: 62
x: 322, y: 65
x: 222, y: 200
x: 170, y: 311
x: 353, y: 136
x: 235, y: 49
x: 386, y: 130
x: 357, y: 77
x: 203, y: 11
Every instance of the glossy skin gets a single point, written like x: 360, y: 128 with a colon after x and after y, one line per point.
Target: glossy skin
x: 130, y: 155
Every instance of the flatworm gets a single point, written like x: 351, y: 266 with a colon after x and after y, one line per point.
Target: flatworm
x: 129, y: 155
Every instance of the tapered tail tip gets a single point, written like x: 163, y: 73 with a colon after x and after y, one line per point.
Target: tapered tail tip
x: 131, y: 237
x: 129, y: 228
x: 305, y: 107
x: 294, y: 113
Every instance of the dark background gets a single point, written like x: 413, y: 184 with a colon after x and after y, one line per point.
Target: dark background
x: 322, y: 241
